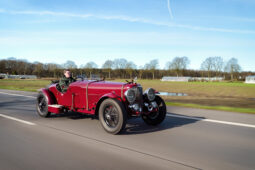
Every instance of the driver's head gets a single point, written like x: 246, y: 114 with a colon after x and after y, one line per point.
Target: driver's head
x: 67, y: 73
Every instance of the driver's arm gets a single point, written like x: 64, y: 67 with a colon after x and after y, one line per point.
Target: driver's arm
x: 63, y: 85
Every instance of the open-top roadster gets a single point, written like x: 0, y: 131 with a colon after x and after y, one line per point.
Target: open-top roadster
x: 112, y: 102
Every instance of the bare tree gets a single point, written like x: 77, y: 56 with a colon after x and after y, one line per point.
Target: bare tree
x: 218, y: 64
x: 121, y: 68
x: 130, y: 66
x: 152, y: 66
x: 89, y: 66
x: 168, y: 65
x: 108, y: 65
x: 178, y: 64
x: 232, y: 67
x: 52, y: 67
x: 12, y: 65
x: 38, y: 70
x: 141, y: 71
x: 208, y: 65
x: 213, y: 64
x: 120, y: 63
x: 69, y: 65
x: 2, y: 66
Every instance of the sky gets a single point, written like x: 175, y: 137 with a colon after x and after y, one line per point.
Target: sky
x: 138, y: 30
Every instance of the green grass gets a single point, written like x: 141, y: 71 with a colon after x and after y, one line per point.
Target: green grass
x: 222, y: 108
x: 226, y: 96
x: 23, y: 85
x: 209, y: 94
x: 213, y: 89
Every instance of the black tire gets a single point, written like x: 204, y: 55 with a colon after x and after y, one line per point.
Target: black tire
x: 42, y: 105
x: 158, y: 117
x: 112, y: 116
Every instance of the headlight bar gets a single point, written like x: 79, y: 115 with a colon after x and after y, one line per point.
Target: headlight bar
x: 150, y: 93
x: 131, y: 95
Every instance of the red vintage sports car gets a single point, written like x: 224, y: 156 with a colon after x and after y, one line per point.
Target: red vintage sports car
x: 112, y: 102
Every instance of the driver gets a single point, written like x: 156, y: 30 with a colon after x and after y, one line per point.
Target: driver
x: 66, y: 80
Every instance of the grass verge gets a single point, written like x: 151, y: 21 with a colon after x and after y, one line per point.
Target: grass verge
x: 221, y: 108
x: 23, y: 85
x: 221, y: 92
x: 18, y: 88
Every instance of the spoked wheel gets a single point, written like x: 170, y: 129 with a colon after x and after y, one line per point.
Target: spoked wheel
x: 155, y: 118
x: 112, y: 116
x: 42, y: 105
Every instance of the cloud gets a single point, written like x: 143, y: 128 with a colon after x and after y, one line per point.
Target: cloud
x: 227, y: 18
x: 51, y: 13
x: 130, y: 19
x: 169, y: 9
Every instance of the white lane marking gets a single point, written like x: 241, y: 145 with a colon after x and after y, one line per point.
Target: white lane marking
x: 17, y: 95
x: 171, y: 115
x: 18, y: 120
x: 213, y: 121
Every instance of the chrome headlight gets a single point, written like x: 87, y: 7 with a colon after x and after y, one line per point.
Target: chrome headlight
x: 131, y: 95
x: 150, y: 93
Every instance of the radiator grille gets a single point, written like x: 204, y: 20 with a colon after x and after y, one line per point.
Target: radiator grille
x: 139, y: 93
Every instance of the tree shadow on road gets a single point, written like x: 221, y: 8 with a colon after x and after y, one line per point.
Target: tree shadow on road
x: 138, y: 126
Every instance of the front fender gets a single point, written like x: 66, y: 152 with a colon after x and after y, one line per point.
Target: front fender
x: 111, y: 95
x: 106, y: 96
x: 50, y: 97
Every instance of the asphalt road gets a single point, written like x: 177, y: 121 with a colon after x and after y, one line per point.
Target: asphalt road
x: 187, y: 139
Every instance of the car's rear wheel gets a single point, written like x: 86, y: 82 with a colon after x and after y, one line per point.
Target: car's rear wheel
x: 112, y: 116
x: 155, y: 118
x: 42, y: 105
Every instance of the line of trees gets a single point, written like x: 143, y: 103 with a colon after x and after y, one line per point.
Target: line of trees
x: 216, y: 65
x: 121, y: 68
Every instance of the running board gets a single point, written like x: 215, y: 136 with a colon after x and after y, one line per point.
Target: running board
x: 55, y: 108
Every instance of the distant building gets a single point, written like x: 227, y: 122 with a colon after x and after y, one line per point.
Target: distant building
x: 187, y: 79
x: 6, y: 76
x: 207, y: 79
x: 183, y: 79
x: 2, y: 75
x: 250, y: 79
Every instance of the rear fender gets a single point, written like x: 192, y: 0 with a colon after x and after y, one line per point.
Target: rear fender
x: 50, y: 97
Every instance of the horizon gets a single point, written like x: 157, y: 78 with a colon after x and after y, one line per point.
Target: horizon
x: 84, y: 31
x: 61, y: 65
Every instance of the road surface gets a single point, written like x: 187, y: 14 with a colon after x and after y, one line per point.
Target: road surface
x: 187, y: 139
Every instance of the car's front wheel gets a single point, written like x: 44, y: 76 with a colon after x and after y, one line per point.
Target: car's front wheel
x: 112, y: 116
x: 155, y: 118
x: 42, y: 105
